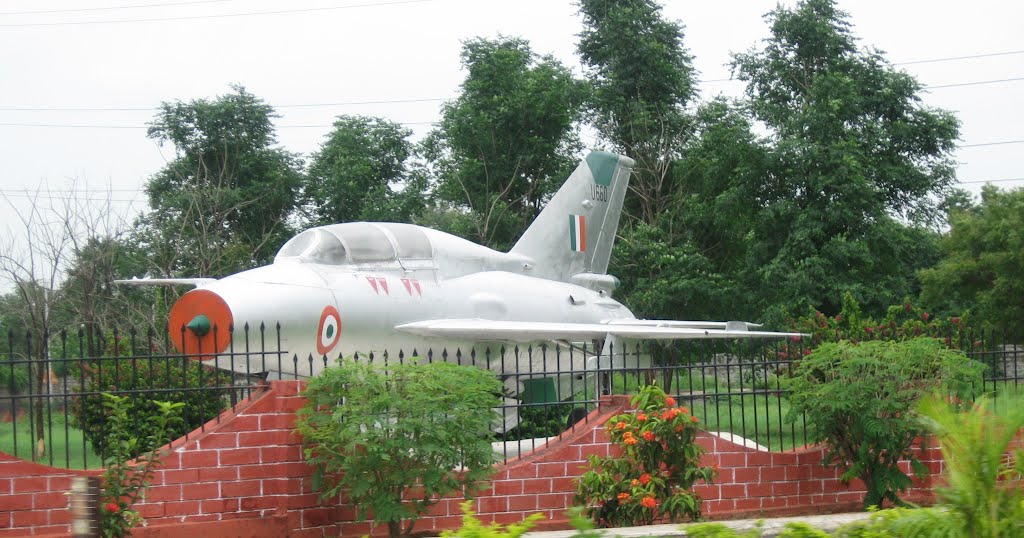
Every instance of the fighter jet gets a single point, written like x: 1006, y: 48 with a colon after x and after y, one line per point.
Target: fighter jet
x: 363, y: 287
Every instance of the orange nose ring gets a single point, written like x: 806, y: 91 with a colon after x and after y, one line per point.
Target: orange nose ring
x: 200, y: 324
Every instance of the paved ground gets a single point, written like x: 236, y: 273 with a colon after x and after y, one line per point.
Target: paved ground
x: 771, y: 527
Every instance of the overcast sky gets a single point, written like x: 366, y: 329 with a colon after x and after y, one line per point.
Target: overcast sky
x: 69, y: 56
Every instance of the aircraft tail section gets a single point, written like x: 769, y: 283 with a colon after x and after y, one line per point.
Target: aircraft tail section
x: 571, y: 239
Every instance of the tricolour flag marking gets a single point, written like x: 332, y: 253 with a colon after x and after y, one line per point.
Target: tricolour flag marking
x: 577, y: 233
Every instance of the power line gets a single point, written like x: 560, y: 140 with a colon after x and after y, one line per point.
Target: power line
x: 149, y: 109
x: 997, y: 143
x: 113, y: 8
x: 87, y: 126
x: 77, y: 198
x: 952, y: 58
x: 1017, y: 79
x: 386, y: 101
x: 994, y: 180
x: 219, y: 16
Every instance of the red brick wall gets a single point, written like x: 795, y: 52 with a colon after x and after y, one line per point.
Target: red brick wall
x: 248, y: 464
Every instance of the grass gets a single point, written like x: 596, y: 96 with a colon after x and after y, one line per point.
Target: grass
x: 751, y: 409
x: 65, y: 447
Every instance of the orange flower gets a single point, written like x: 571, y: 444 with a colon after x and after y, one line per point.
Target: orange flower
x: 641, y: 417
x: 648, y: 436
x: 685, y: 409
x: 634, y: 483
x: 670, y: 402
x: 649, y: 502
x: 676, y: 412
x: 623, y: 497
x: 630, y: 440
x: 679, y: 428
x: 645, y: 478
x: 111, y: 507
x: 666, y: 414
x: 620, y: 426
x: 694, y: 419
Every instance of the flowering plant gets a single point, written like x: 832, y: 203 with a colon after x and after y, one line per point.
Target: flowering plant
x: 652, y: 477
x: 124, y: 481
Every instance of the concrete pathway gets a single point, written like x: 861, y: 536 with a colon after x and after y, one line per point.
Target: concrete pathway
x: 771, y: 527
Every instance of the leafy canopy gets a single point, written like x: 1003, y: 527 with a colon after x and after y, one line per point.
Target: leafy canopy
x: 852, y: 155
x: 361, y: 172
x: 505, y: 144
x: 983, y: 263
x: 222, y: 204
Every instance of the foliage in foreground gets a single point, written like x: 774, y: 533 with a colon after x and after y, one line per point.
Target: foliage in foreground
x: 983, y: 497
x: 395, y: 441
x: 473, y: 528
x: 859, y: 400
x: 125, y: 481
x: 659, y: 464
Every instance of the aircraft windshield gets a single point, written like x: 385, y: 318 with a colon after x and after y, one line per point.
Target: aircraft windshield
x: 314, y: 246
x: 359, y: 242
x: 366, y: 242
x: 412, y: 242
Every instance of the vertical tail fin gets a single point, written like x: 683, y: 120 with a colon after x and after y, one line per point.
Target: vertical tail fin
x: 574, y: 233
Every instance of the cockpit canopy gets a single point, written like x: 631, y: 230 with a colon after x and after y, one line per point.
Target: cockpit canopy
x: 357, y: 243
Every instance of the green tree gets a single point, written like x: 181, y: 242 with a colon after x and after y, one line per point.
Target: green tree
x: 504, y: 145
x: 982, y: 268
x: 361, y: 172
x: 396, y: 441
x: 643, y: 80
x: 853, y: 154
x: 692, y: 262
x: 222, y: 204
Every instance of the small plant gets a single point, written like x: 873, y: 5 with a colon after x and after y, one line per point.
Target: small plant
x: 473, y: 528
x: 395, y: 441
x: 659, y: 464
x: 124, y: 481
x: 859, y: 400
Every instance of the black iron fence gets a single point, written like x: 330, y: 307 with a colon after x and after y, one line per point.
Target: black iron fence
x: 51, y: 385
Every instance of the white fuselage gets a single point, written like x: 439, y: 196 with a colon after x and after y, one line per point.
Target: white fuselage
x: 461, y: 280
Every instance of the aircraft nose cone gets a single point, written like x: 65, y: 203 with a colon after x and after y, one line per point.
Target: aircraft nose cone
x: 200, y: 324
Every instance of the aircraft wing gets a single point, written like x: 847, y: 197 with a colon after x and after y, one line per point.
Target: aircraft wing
x: 197, y: 282
x: 527, y: 331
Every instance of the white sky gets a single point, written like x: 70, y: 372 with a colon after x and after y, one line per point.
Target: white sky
x: 345, y: 51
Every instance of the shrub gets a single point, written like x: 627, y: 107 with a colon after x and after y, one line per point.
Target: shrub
x: 396, y: 440
x: 124, y: 481
x: 172, y: 379
x: 659, y: 464
x: 859, y: 400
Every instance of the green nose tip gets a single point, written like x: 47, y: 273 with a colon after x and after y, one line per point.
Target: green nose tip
x: 200, y: 325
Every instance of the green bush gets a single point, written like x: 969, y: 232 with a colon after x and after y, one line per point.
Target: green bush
x: 395, y: 441
x: 859, y: 400
x: 659, y: 464
x: 171, y: 379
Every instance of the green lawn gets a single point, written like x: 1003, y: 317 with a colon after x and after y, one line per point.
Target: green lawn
x: 749, y: 409
x: 64, y: 446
